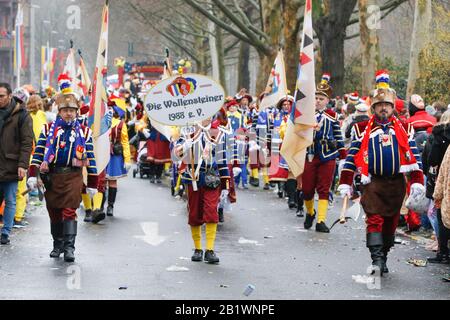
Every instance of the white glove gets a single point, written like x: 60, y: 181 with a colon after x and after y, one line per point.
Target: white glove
x: 224, y: 194
x: 91, y: 192
x: 146, y: 133
x: 32, y: 183
x: 253, y: 146
x: 127, y: 167
x: 236, y: 171
x: 345, y: 190
x: 187, y: 145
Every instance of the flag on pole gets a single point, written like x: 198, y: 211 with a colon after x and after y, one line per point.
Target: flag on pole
x: 299, y: 131
x: 70, y: 68
x: 19, y: 52
x: 48, y: 59
x: 276, y: 85
x: 83, y: 82
x: 99, y: 118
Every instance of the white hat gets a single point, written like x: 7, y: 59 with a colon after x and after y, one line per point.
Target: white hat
x: 362, y: 106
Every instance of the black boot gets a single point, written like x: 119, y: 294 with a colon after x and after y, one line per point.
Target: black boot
x: 197, y: 256
x: 70, y: 233
x: 99, y: 215
x: 220, y: 212
x: 309, y: 220
x: 440, y: 258
x: 281, y: 188
x: 112, y: 192
x: 322, y: 227
x: 88, y: 216
x: 56, y: 230
x: 210, y: 257
x: 158, y: 173
x: 152, y: 173
x: 254, y: 182
x: 375, y: 245
x: 291, y: 187
x: 266, y: 186
x: 388, y: 243
x: 299, y: 198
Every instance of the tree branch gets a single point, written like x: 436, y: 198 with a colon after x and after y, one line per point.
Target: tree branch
x: 217, y: 21
x: 261, y: 46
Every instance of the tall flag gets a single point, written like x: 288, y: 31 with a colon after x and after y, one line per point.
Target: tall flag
x: 299, y: 131
x: 70, y: 68
x: 19, y: 52
x: 48, y: 60
x: 82, y: 81
x: 276, y: 85
x: 99, y: 118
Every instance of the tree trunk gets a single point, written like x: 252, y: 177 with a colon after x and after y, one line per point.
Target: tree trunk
x: 369, y: 45
x: 291, y: 46
x: 244, y: 71
x: 332, y: 48
x: 221, y: 57
x: 213, y: 49
x: 420, y: 38
x: 272, y: 19
x: 265, y: 65
x: 330, y: 28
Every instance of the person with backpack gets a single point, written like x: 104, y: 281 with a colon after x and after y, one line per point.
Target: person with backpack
x: 16, y: 143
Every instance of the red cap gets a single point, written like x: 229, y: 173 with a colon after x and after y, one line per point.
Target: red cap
x: 399, y: 105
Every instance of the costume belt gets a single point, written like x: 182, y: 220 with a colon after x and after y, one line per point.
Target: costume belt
x: 64, y: 169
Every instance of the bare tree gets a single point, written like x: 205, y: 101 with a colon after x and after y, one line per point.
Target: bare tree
x: 420, y: 37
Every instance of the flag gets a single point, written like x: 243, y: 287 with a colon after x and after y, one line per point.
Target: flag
x: 299, y: 131
x: 99, y: 118
x: 83, y: 82
x: 19, y: 52
x: 70, y: 68
x: 276, y: 85
x: 48, y: 59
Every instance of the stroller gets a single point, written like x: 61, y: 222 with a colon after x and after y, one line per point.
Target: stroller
x: 143, y: 167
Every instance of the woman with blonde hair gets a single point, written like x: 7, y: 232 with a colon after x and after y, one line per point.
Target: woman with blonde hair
x: 35, y: 107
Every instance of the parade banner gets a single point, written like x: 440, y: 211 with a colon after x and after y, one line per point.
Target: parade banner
x: 276, y: 85
x: 299, y: 131
x: 48, y: 59
x: 183, y: 101
x: 98, y: 116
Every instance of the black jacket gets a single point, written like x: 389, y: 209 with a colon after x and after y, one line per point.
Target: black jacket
x: 433, y: 153
x: 441, y: 133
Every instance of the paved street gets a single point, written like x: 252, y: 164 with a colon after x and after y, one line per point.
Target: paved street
x: 261, y: 243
